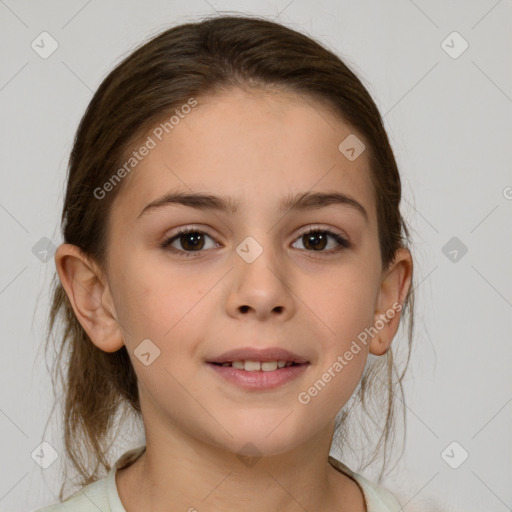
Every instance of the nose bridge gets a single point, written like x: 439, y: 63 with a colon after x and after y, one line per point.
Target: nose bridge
x: 257, y: 259
x: 260, y: 280
x: 259, y: 234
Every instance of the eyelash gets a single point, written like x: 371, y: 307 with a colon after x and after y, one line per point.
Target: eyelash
x: 166, y: 244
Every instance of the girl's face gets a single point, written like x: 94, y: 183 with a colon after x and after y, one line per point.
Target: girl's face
x: 253, y: 280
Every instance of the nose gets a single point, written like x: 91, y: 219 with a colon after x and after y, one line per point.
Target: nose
x: 260, y: 287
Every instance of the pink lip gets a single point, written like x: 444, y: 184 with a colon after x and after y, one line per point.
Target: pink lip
x: 259, y: 380
x: 255, y: 354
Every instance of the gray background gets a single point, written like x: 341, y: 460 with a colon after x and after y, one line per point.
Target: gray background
x: 450, y: 123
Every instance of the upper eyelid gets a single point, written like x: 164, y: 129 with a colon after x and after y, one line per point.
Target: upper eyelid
x: 304, y: 229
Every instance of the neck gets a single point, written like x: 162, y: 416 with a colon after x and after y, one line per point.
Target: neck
x: 195, y: 476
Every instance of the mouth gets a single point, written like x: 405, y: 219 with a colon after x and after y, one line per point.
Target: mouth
x: 258, y: 366
x: 259, y: 369
x: 257, y: 359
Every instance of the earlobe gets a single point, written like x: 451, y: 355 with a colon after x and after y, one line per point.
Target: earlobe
x: 394, y: 287
x: 90, y: 297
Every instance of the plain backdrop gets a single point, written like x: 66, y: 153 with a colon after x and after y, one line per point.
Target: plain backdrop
x: 440, y: 74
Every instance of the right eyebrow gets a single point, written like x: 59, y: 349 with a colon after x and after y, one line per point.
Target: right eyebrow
x: 299, y: 202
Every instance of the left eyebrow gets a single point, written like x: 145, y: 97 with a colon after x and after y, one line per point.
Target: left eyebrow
x: 300, y: 202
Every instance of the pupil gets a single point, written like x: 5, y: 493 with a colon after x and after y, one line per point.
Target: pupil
x: 196, y: 239
x: 315, y: 237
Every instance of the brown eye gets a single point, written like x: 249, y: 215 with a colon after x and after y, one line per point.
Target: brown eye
x: 190, y: 241
x: 316, y: 240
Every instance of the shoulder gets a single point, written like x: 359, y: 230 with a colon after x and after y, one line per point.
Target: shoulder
x: 100, y: 495
x: 91, y: 498
x: 378, y: 499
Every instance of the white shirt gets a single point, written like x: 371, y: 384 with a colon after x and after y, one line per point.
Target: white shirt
x: 102, y: 495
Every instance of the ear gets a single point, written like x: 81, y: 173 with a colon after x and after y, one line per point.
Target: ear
x: 89, y: 294
x: 394, y: 287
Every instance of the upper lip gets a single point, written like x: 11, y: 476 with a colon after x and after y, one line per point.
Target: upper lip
x: 258, y: 354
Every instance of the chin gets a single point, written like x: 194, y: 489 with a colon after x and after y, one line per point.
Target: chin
x: 260, y: 439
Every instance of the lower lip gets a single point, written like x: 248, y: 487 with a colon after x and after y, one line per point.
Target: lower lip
x: 259, y: 380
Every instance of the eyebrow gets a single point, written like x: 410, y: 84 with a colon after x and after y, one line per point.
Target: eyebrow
x: 300, y: 202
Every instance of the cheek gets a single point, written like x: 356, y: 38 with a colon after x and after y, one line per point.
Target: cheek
x: 159, y: 305
x: 145, y: 301
x: 346, y: 304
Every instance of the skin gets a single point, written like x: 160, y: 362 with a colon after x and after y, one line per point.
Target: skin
x: 257, y: 147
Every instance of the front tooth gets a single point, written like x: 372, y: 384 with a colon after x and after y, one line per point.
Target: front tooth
x: 269, y: 366
x: 252, y: 366
x: 239, y: 365
x: 281, y: 364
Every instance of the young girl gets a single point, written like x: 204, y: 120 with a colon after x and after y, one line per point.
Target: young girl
x: 235, y: 268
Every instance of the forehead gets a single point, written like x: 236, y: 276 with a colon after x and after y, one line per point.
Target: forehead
x: 255, y: 146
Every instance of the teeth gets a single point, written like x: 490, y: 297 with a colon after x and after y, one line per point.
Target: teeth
x: 269, y: 366
x: 254, y: 366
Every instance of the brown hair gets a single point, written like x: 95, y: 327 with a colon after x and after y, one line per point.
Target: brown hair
x: 195, y: 60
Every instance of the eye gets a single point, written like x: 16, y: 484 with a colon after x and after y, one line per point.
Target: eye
x: 317, y: 239
x: 190, y: 239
